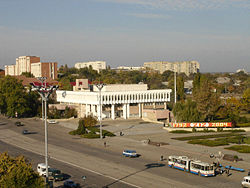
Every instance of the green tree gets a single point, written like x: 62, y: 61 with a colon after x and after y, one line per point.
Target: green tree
x: 28, y: 74
x: 18, y: 173
x: 246, y: 100
x: 208, y: 101
x: 187, y: 111
x: 14, y: 98
x: 89, y: 121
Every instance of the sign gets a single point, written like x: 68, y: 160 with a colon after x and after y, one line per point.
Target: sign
x: 202, y: 125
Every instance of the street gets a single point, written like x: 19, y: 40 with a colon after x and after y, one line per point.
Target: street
x: 102, y: 166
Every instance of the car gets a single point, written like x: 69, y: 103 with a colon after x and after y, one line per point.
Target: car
x: 70, y: 184
x: 246, y: 181
x: 41, y: 169
x: 52, y: 121
x: 55, y: 174
x: 129, y: 153
x: 26, y: 131
x: 18, y: 123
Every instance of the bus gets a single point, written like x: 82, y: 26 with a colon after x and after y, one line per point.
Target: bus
x: 192, y: 166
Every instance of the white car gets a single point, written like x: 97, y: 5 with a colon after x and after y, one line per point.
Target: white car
x: 129, y: 153
x: 246, y: 181
x: 41, y: 169
x: 52, y: 121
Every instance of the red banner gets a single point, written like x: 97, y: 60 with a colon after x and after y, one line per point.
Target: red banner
x: 202, y: 125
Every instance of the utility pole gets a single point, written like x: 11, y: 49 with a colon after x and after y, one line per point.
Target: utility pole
x: 99, y: 87
x: 45, y: 92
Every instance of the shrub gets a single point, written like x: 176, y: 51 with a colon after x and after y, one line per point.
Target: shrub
x: 180, y: 131
x: 243, y: 124
x: 240, y: 149
x: 219, y: 129
x: 107, y: 133
x: 90, y: 135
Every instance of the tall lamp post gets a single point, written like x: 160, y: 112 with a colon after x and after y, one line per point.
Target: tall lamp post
x: 99, y: 87
x: 42, y: 79
x: 45, y: 92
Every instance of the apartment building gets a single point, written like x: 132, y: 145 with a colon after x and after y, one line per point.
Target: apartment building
x: 187, y: 67
x: 44, y: 69
x: 33, y: 65
x: 96, y: 65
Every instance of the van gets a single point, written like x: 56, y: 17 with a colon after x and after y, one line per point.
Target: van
x: 41, y: 169
x: 246, y: 181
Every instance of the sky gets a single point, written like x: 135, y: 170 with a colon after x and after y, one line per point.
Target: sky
x: 216, y: 33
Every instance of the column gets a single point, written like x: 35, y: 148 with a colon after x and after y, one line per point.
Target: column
x: 112, y: 111
x: 165, y: 105
x: 128, y: 110
x: 86, y: 109
x: 139, y: 105
x: 124, y: 111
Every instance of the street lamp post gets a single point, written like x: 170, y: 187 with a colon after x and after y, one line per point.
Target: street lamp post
x: 42, y: 79
x: 45, y: 92
x: 99, y: 87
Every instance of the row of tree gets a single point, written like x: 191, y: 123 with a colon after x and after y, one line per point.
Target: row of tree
x: 15, y: 100
x: 206, y: 104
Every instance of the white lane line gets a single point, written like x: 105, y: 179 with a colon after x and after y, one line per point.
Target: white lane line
x: 98, y: 173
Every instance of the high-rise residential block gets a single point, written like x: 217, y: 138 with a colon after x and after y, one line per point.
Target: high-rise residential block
x: 187, y: 67
x: 33, y: 65
x: 96, y: 65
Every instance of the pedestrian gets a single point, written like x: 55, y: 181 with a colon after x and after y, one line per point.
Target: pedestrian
x: 105, y: 144
x: 161, y: 157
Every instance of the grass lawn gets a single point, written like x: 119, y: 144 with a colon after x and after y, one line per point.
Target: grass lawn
x: 180, y: 132
x: 239, y: 148
x: 211, y: 143
x: 206, y: 136
x: 220, y: 141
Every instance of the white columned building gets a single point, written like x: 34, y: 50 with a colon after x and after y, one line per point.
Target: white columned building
x: 118, y: 100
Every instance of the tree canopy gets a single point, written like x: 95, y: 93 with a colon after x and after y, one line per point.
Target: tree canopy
x: 14, y: 98
x: 17, y: 172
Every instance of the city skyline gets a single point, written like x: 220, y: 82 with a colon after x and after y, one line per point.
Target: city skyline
x: 128, y: 32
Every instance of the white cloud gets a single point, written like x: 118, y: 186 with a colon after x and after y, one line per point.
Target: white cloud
x: 187, y: 4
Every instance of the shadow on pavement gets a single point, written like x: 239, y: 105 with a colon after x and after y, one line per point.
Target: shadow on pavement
x: 148, y: 166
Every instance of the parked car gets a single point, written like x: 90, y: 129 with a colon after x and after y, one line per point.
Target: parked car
x: 52, y: 121
x: 18, y: 123
x: 55, y: 174
x: 70, y: 184
x: 246, y: 181
x: 41, y: 169
x: 129, y: 153
x: 26, y: 131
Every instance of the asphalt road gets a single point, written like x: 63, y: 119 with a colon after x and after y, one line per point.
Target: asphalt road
x: 93, y: 180
x: 103, y: 167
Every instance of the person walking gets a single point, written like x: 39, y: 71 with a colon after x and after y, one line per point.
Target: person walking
x: 105, y: 144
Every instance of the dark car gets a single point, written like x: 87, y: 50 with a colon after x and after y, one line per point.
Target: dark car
x: 70, y: 184
x: 26, y: 132
x: 18, y: 123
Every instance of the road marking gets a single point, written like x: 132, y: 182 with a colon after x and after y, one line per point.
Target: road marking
x: 98, y: 173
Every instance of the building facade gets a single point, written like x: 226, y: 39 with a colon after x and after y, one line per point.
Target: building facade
x: 187, y: 67
x: 33, y: 65
x: 44, y: 69
x: 96, y: 65
x: 128, y: 100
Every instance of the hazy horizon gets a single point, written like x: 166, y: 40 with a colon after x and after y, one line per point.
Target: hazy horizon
x: 216, y: 33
